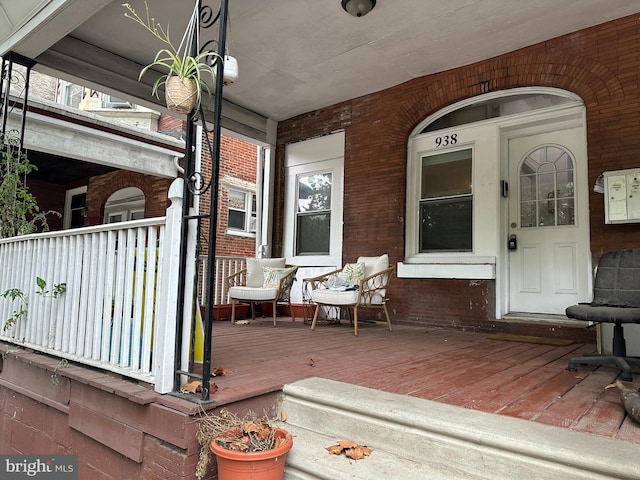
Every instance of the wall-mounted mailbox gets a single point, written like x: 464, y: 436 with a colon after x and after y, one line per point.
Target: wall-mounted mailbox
x: 622, y: 196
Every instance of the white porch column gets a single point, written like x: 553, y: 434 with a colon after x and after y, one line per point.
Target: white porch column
x: 167, y: 298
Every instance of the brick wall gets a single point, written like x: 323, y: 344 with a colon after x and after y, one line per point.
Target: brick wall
x: 118, y: 429
x: 49, y: 197
x: 101, y: 187
x: 237, y: 160
x: 600, y: 64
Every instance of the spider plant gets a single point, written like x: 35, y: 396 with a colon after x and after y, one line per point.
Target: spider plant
x: 176, y: 61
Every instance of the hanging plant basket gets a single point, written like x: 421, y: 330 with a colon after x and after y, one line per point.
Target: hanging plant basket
x: 181, y: 94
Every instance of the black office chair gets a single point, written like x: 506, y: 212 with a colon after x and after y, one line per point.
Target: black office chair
x: 616, y: 299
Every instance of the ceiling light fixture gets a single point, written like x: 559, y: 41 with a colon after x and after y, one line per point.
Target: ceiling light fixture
x: 358, y: 8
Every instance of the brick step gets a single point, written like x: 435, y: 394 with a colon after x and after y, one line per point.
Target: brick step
x: 409, y: 434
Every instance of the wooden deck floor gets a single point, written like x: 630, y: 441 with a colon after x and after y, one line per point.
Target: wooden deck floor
x: 524, y: 380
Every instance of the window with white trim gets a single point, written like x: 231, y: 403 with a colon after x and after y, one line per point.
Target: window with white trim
x: 124, y: 205
x: 452, y: 185
x: 446, y: 202
x: 242, y: 211
x: 69, y: 94
x: 313, y: 214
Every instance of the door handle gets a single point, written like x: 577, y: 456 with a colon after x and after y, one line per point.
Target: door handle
x: 513, y: 242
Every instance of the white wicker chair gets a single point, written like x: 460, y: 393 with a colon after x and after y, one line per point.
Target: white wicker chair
x: 251, y: 286
x: 371, y: 290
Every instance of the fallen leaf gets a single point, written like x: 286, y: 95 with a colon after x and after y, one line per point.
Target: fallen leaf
x: 311, y: 362
x: 347, y: 444
x: 279, y: 441
x: 350, y: 449
x: 283, y: 416
x: 232, y: 433
x: 194, y: 386
x: 355, y: 453
x: 262, y: 430
x: 239, y: 446
x: 335, y: 449
x: 221, y: 372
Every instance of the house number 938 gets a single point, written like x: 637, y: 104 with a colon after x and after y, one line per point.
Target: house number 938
x: 445, y: 140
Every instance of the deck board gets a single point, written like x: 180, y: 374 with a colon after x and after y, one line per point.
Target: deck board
x: 519, y: 379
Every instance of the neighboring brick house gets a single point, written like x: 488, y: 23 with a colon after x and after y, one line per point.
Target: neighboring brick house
x: 147, y: 194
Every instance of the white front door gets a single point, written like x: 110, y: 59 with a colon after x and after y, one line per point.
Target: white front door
x: 548, y: 231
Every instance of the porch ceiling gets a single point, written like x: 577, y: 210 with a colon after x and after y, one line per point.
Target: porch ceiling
x: 63, y: 170
x: 294, y: 55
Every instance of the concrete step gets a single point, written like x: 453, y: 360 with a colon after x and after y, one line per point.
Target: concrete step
x: 415, y: 438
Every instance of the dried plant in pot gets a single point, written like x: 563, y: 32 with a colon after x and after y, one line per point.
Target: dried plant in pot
x: 184, y: 74
x: 248, y: 447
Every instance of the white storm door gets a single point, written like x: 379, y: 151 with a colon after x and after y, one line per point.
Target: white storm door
x: 549, y: 260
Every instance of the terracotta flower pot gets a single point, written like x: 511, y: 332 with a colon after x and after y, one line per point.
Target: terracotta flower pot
x: 265, y: 465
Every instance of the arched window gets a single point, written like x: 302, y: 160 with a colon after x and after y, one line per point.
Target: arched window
x: 488, y: 107
x: 546, y: 188
x: 124, y: 204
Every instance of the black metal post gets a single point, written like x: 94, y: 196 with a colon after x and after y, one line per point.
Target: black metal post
x: 213, y: 212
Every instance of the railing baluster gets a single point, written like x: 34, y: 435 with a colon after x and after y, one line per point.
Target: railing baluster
x: 71, y: 321
x: 29, y: 323
x: 57, y: 276
x: 83, y: 299
x: 108, y: 299
x: 45, y: 321
x: 138, y: 296
x: 149, y: 299
x: 69, y: 260
x: 98, y: 305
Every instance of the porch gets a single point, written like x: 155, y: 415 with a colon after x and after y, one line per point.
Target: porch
x: 472, y: 370
x: 90, y: 412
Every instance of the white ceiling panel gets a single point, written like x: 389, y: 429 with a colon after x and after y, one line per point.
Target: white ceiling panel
x: 299, y: 55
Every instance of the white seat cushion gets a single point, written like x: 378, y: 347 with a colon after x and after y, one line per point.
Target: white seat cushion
x: 334, y: 297
x: 253, y: 293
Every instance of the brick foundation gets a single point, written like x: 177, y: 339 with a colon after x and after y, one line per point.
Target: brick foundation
x: 118, y: 428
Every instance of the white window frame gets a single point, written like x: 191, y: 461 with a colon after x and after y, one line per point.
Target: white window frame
x: 309, y: 157
x: 65, y: 93
x: 480, y: 262
x: 125, y: 202
x: 111, y: 101
x: 66, y: 221
x: 444, y: 197
x: 250, y: 198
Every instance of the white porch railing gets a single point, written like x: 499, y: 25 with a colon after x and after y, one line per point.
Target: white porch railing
x: 119, y: 309
x: 106, y: 316
x: 224, y: 266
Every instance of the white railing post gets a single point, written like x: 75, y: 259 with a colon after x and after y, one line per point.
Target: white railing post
x: 167, y: 299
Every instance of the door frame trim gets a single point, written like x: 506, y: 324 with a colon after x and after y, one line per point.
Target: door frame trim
x: 573, y: 116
